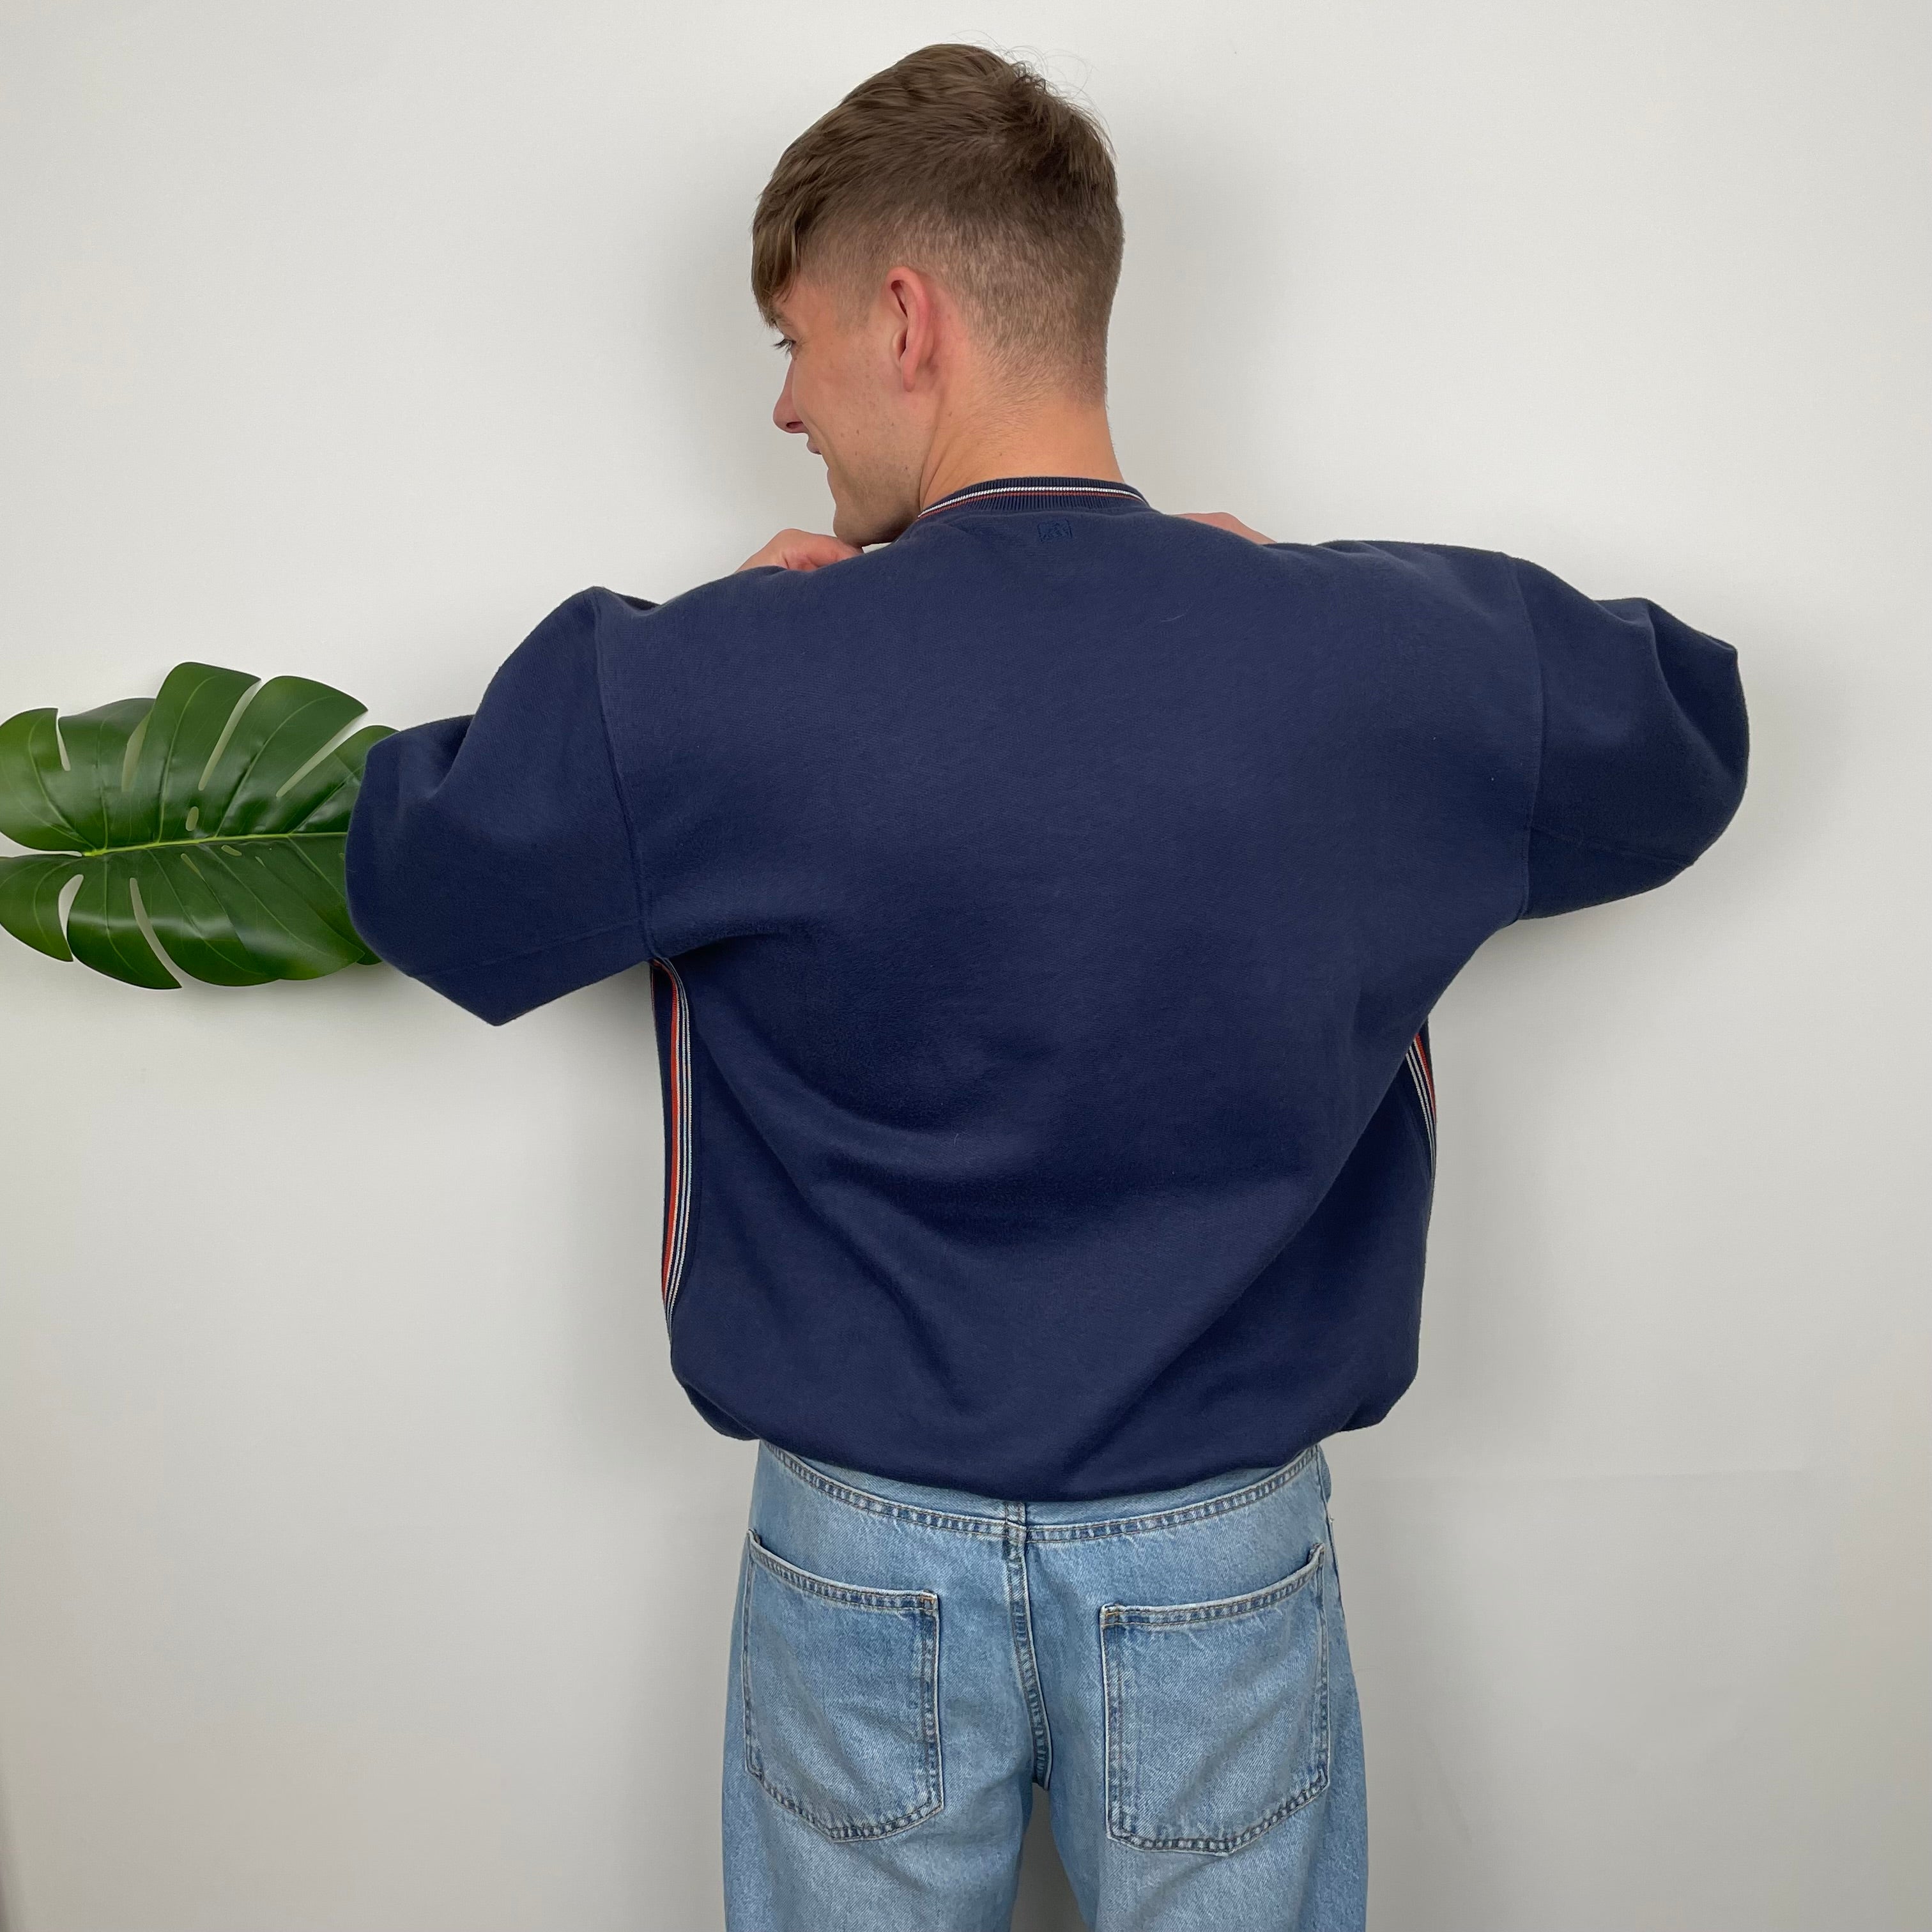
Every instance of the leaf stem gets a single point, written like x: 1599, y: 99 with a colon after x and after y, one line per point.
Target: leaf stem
x: 199, y: 839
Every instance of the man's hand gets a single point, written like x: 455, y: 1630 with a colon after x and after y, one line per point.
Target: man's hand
x: 801, y: 550
x: 1221, y: 520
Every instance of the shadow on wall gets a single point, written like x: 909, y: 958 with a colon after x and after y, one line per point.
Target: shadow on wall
x: 1046, y: 1901
x: 7, y: 1919
x: 609, y: 1234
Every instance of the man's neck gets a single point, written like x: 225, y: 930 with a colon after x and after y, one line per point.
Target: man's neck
x: 1055, y: 437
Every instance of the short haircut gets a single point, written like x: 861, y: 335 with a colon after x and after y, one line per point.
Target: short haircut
x: 970, y: 167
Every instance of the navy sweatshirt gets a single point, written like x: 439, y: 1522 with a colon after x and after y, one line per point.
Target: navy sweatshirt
x: 1044, y: 912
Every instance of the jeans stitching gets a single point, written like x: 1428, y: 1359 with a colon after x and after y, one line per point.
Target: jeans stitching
x: 1019, y: 1614
x: 1251, y: 1602
x: 1075, y: 1532
x: 872, y: 1505
x: 925, y: 1608
x: 1112, y: 1674
x: 852, y: 1595
x: 1116, y: 1668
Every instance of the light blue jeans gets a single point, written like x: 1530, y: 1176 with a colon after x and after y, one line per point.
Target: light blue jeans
x: 908, y: 1664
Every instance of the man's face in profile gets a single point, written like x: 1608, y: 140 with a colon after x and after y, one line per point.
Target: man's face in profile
x: 842, y: 393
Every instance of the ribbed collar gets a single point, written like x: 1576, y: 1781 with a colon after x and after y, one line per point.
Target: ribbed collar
x: 1033, y: 492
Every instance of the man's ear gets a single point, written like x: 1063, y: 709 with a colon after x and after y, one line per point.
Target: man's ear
x: 915, y: 330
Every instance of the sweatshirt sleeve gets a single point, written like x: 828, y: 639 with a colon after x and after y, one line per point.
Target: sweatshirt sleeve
x: 1644, y: 746
x: 489, y: 856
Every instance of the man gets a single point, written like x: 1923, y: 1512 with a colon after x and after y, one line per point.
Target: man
x: 1045, y: 907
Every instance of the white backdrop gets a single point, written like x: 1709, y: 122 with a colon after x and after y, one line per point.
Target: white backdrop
x: 362, y: 1568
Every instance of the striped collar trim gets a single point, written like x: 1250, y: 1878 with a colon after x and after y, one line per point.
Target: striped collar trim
x: 1000, y: 490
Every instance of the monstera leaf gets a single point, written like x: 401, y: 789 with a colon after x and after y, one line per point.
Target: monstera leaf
x: 213, y: 810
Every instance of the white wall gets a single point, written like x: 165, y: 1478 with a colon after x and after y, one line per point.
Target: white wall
x: 361, y: 1569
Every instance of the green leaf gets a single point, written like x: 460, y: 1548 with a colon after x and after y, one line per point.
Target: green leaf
x: 30, y: 890
x: 211, y: 811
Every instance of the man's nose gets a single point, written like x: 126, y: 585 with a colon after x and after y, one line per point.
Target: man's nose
x: 784, y: 415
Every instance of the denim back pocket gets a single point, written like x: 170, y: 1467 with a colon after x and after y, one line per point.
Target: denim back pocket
x: 1217, y: 1713
x: 841, y: 1687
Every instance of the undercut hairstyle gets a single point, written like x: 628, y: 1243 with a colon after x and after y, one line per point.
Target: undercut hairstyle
x: 970, y: 168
